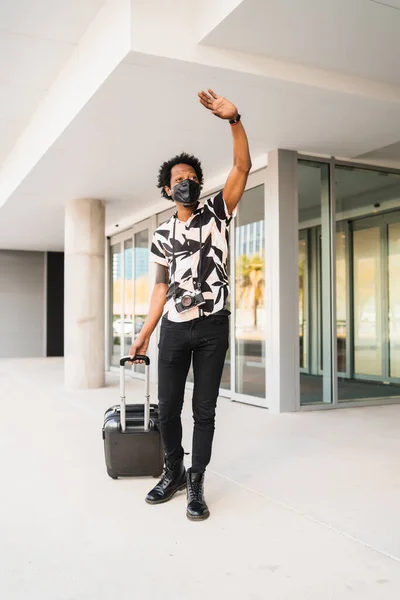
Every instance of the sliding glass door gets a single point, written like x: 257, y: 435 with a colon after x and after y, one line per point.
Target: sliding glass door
x: 366, y: 202
x: 374, y: 317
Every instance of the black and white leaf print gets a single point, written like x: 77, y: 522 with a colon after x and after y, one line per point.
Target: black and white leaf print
x: 182, y: 256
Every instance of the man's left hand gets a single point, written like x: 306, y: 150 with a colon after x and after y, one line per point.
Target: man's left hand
x: 219, y: 106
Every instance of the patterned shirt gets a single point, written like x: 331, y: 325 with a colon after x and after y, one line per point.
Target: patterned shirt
x: 213, y: 218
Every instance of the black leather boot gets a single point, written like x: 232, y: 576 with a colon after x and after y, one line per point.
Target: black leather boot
x: 173, y: 480
x: 197, y: 509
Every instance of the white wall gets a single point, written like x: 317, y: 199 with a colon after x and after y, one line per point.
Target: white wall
x: 22, y: 304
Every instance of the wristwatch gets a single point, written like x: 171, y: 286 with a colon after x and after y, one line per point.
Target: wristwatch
x: 236, y: 120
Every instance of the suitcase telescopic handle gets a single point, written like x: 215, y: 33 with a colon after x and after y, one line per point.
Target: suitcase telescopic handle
x: 126, y: 359
x: 122, y: 364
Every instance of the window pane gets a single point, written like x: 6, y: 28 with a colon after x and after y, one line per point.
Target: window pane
x: 128, y: 296
x: 341, y: 300
x: 302, y: 302
x: 116, y: 297
x: 141, y: 290
x: 250, y: 280
x: 394, y: 298
x: 367, y: 302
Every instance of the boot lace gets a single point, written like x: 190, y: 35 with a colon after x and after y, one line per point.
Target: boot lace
x: 196, y: 489
x: 167, y: 476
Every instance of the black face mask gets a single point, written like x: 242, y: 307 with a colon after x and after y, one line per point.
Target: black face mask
x: 186, y: 192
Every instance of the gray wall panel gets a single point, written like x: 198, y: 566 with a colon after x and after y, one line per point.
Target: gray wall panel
x: 22, y: 303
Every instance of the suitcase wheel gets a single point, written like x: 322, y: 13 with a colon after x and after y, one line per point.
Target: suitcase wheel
x: 112, y: 475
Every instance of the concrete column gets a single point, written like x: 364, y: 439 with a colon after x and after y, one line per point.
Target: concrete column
x: 282, y: 282
x: 84, y: 294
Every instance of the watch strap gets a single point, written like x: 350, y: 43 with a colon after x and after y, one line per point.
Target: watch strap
x: 236, y: 120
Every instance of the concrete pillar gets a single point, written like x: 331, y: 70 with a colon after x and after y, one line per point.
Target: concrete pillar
x: 84, y: 294
x: 282, y: 282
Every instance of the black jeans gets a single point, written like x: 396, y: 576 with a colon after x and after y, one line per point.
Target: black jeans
x: 205, y: 339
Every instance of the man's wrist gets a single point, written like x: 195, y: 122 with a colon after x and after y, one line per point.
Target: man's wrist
x: 144, y: 337
x: 235, y: 120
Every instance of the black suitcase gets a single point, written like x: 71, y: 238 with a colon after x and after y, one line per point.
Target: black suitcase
x: 132, y: 440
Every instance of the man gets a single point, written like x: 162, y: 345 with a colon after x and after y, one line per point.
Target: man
x: 191, y: 289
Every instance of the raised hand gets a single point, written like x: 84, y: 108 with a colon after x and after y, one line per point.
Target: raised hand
x: 219, y: 106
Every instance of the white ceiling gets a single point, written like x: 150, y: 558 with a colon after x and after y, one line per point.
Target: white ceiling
x: 147, y: 110
x: 356, y: 37
x: 36, y: 39
x: 388, y: 155
x: 144, y: 115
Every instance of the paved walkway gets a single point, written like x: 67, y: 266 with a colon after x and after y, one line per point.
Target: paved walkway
x: 304, y: 506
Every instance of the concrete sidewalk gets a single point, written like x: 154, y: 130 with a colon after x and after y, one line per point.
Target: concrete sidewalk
x: 304, y: 506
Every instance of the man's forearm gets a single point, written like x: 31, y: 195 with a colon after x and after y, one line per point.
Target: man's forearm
x: 237, y: 179
x: 241, y: 151
x: 157, y: 304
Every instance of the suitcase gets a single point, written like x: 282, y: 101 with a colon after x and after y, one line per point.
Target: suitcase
x: 132, y: 440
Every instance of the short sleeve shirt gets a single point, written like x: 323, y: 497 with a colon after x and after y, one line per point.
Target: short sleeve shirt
x: 214, y: 219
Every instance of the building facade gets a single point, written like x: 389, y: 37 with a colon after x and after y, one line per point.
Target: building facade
x: 344, y: 324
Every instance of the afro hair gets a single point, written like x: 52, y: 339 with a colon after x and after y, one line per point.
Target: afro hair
x: 164, y: 174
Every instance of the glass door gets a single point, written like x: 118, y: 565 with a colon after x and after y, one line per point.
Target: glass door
x: 374, y: 346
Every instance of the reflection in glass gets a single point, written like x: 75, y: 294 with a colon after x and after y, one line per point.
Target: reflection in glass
x: 341, y: 300
x: 141, y: 290
x: 302, y: 302
x: 367, y: 302
x: 116, y: 264
x: 128, y: 296
x: 394, y: 299
x: 249, y: 286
